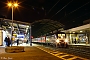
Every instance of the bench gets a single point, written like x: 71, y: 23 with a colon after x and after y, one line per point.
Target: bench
x: 14, y: 49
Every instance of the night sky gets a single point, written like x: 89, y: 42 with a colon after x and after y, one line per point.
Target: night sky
x: 68, y: 12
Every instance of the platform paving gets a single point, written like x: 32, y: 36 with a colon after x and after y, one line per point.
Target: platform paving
x: 30, y: 53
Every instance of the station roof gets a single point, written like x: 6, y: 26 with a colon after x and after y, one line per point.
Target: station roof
x: 18, y: 25
x: 39, y: 27
x: 80, y: 29
x: 45, y: 26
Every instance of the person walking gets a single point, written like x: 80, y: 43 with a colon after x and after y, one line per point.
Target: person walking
x: 75, y: 41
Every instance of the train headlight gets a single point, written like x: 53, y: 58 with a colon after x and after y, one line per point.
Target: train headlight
x: 66, y: 40
x: 57, y: 40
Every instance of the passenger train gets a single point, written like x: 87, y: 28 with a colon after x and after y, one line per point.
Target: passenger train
x: 59, y: 40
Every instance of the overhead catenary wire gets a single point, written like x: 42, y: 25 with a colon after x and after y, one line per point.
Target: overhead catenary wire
x: 79, y: 7
x: 82, y: 15
x: 62, y: 8
x: 53, y: 6
x: 75, y: 10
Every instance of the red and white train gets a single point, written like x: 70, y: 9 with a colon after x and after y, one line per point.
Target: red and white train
x: 59, y: 40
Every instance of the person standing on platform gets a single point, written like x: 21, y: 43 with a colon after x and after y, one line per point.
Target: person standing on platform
x: 7, y: 40
x: 17, y: 42
x: 75, y: 41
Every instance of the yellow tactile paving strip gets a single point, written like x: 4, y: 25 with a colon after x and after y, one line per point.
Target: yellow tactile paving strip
x: 61, y: 55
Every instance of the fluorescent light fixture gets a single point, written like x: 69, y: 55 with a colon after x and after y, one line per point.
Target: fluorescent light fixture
x: 73, y: 32
x: 27, y: 26
x: 81, y: 31
x: 9, y: 27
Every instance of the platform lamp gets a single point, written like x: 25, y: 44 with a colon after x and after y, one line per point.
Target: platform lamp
x: 12, y: 5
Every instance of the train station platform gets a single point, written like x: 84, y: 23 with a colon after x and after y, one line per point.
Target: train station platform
x: 37, y: 52
x: 72, y: 46
x: 2, y: 48
x: 80, y: 46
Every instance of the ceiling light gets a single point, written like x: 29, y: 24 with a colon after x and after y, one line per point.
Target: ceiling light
x: 9, y: 27
x: 73, y: 32
x: 81, y: 31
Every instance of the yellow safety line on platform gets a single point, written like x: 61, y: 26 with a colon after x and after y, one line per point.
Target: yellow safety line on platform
x: 50, y: 51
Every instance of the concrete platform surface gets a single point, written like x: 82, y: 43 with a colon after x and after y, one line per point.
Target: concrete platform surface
x: 31, y: 53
